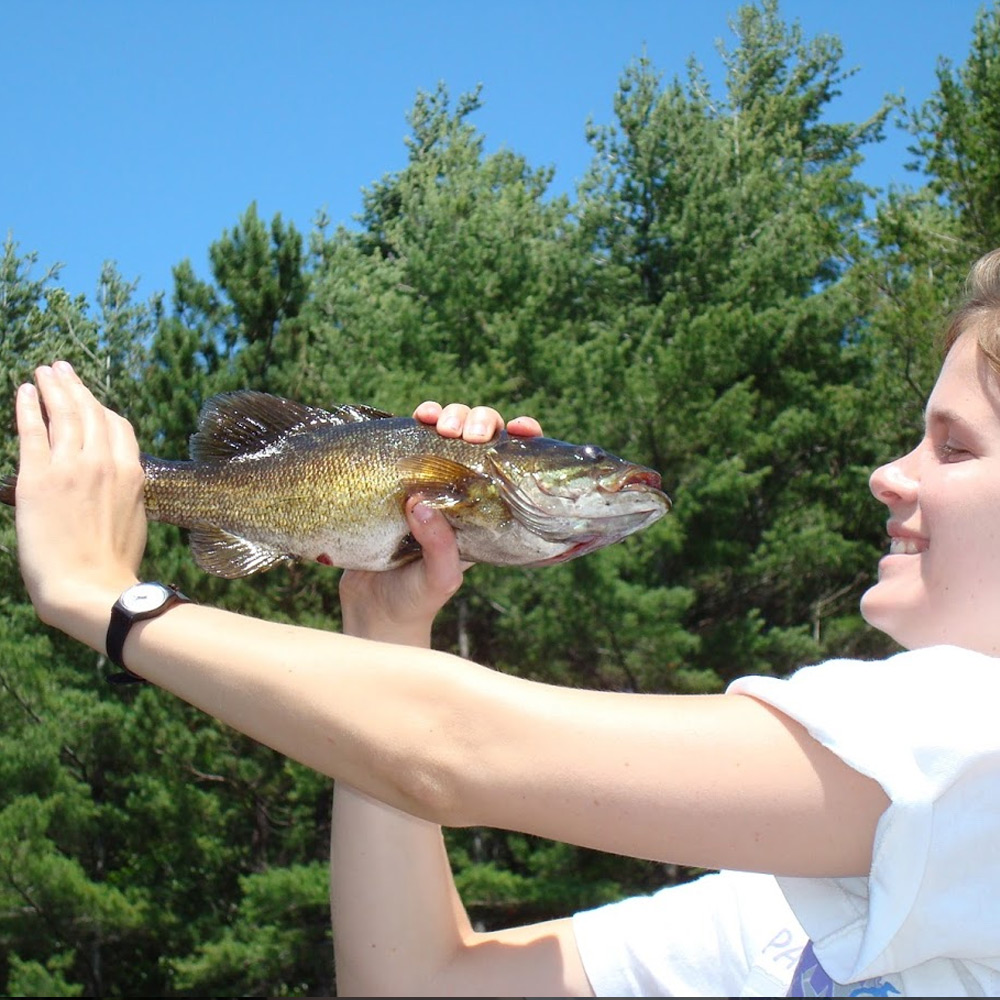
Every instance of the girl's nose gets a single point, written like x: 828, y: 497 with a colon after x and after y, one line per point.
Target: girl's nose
x: 895, y: 482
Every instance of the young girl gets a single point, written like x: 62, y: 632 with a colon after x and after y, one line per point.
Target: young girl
x: 852, y: 809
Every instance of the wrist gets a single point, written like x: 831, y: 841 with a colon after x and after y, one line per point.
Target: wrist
x: 83, y: 611
x: 398, y: 637
x: 137, y: 604
x: 402, y: 634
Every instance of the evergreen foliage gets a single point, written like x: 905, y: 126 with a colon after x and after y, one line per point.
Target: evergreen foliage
x: 723, y: 300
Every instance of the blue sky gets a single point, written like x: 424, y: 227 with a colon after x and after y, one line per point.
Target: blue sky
x: 138, y: 131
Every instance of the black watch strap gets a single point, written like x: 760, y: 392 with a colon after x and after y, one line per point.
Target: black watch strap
x: 123, y: 617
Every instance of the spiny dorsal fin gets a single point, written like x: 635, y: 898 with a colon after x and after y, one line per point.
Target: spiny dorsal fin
x: 359, y: 412
x: 245, y: 422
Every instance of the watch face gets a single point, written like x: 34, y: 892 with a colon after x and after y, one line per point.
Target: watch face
x: 144, y: 597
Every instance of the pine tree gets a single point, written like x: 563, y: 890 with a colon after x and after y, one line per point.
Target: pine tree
x: 730, y: 227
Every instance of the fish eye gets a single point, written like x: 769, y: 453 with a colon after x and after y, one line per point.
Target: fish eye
x: 590, y: 453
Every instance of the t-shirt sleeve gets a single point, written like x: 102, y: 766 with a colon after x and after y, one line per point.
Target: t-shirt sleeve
x: 694, y: 939
x: 924, y: 725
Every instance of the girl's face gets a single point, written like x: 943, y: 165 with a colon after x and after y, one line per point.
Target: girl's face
x: 940, y: 582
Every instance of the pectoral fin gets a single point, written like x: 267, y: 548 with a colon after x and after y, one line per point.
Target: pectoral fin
x: 231, y: 556
x: 441, y: 482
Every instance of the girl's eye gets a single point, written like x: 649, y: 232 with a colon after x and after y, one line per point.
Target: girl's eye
x: 953, y: 452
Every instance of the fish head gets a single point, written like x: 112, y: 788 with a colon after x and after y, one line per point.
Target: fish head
x: 578, y: 494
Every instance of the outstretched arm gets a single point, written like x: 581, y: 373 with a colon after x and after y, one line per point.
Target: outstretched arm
x: 685, y: 779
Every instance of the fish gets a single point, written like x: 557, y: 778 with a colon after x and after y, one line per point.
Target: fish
x: 271, y: 480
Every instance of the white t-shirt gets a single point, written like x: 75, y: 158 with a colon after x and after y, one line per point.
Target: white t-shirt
x: 925, y: 922
x: 721, y: 935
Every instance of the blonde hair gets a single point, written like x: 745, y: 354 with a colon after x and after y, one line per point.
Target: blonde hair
x: 980, y: 305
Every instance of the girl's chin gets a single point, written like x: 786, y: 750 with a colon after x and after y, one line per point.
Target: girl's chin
x: 910, y: 624
x: 890, y: 615
x: 873, y: 607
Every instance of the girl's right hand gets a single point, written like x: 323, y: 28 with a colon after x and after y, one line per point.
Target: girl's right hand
x: 81, y: 521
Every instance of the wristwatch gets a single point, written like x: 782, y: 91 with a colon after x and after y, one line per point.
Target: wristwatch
x: 140, y: 601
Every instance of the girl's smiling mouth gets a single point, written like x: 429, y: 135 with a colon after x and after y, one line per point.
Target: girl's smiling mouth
x: 905, y: 543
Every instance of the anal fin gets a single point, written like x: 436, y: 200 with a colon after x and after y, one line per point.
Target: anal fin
x: 227, y: 555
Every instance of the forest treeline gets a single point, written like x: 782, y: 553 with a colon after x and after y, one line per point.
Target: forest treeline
x: 722, y: 299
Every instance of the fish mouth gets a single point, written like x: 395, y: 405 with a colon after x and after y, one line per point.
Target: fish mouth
x: 636, y: 481
x: 644, y: 477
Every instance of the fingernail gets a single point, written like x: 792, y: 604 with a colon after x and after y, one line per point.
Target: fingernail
x: 62, y: 368
x: 422, y: 513
x: 476, y: 429
x: 448, y: 424
x: 27, y: 391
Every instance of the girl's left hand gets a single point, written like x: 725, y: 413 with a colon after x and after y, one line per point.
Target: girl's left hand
x: 476, y: 424
x: 400, y: 605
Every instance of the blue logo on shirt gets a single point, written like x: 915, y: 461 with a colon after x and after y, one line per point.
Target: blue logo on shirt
x: 810, y: 979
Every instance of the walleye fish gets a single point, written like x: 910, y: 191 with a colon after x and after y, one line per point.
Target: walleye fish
x: 271, y: 480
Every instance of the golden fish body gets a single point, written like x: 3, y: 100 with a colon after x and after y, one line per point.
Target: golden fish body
x: 271, y: 480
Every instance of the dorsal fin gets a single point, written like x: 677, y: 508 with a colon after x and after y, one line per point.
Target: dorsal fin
x: 359, y: 412
x: 234, y: 424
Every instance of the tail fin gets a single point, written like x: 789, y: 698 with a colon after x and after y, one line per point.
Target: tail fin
x: 7, y: 486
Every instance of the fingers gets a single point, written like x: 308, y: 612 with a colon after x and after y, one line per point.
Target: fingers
x: 125, y: 452
x: 475, y: 424
x: 524, y: 427
x: 440, y: 550
x: 93, y: 417
x: 450, y: 420
x: 122, y: 437
x: 481, y: 424
x: 75, y: 419
x: 31, y: 430
x: 428, y: 411
x: 58, y: 418
x: 66, y: 431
